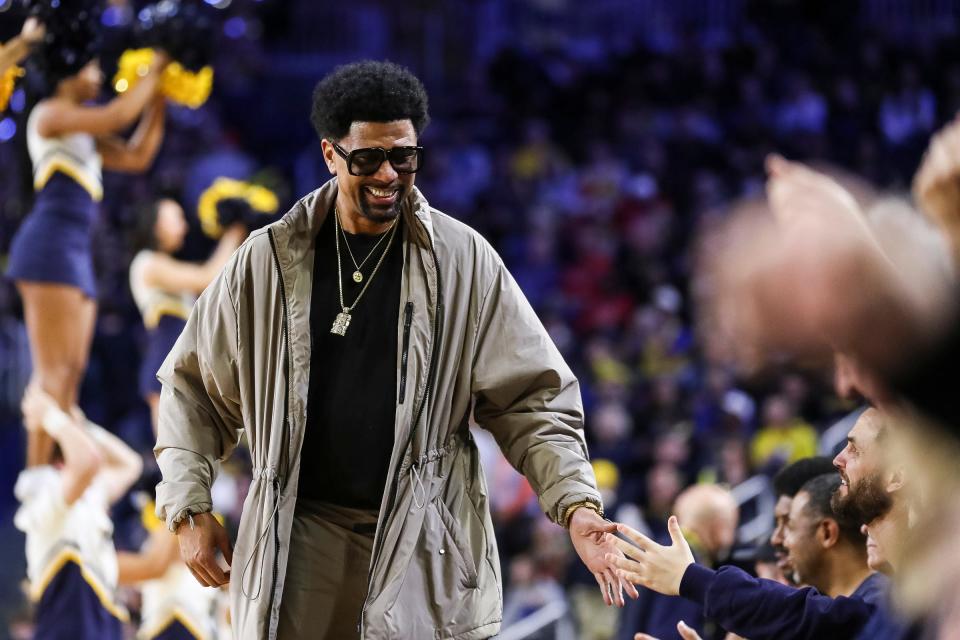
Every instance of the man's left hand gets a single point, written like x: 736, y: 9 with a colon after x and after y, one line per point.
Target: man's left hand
x: 593, y: 538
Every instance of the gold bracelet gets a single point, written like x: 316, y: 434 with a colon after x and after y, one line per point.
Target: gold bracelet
x: 568, y: 512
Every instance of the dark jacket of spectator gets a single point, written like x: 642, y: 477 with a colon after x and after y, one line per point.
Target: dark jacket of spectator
x: 759, y: 609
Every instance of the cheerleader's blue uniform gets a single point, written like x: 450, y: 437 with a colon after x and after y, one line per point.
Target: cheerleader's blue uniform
x: 164, y: 315
x: 54, y: 243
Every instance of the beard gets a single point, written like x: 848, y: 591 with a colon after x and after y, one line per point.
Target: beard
x: 864, y: 502
x: 381, y: 215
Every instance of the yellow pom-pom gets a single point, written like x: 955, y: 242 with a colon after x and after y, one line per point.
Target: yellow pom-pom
x: 7, y: 81
x: 129, y: 68
x: 260, y: 199
x: 189, y: 88
x: 185, y: 87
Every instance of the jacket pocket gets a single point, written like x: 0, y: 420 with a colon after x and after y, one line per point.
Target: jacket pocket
x: 407, y: 319
x: 462, y: 553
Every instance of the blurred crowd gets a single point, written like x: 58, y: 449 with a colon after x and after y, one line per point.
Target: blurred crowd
x: 593, y: 172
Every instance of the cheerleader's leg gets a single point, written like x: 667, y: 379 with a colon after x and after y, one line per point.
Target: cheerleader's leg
x: 60, y: 320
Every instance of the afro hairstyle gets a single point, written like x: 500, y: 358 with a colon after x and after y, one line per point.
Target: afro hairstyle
x: 368, y: 91
x: 72, y: 37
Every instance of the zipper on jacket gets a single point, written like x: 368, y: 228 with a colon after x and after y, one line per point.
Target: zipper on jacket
x: 437, y: 334
x: 407, y: 318
x: 435, y: 351
x: 286, y: 428
x: 276, y: 551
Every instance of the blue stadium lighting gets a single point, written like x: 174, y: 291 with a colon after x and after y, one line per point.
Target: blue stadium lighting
x: 113, y: 17
x: 18, y: 101
x: 8, y: 128
x: 235, y: 27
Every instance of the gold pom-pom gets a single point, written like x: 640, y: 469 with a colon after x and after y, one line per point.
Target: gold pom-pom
x: 7, y: 81
x: 129, y: 66
x: 260, y: 199
x: 185, y: 87
x: 189, y: 88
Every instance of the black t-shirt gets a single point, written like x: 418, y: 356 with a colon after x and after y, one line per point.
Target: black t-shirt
x: 353, y: 378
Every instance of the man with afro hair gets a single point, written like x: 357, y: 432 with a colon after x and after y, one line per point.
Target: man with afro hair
x: 353, y: 341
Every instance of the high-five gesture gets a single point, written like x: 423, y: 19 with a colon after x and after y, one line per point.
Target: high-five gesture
x: 650, y: 564
x: 593, y: 538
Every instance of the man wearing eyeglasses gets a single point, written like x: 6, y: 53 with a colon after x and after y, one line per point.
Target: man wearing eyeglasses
x: 351, y: 341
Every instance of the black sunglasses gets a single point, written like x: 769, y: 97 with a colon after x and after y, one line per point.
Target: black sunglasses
x: 367, y: 161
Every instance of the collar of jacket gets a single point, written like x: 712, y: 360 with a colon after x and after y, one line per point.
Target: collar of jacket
x: 295, y: 232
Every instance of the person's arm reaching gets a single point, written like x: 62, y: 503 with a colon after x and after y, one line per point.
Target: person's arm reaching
x: 136, y: 154
x: 170, y: 274
x: 121, y: 466
x: 751, y: 607
x: 528, y: 398
x: 81, y: 458
x: 61, y: 117
x: 18, y: 47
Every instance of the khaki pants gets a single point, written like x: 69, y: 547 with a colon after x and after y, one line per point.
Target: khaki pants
x: 326, y: 580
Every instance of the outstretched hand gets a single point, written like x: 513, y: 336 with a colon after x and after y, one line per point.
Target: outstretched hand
x: 652, y: 565
x: 593, y: 538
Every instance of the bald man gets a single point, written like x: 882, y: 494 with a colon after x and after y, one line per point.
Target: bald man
x: 708, y: 515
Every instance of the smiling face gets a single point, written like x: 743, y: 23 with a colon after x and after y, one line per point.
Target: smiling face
x: 781, y: 514
x: 803, y: 544
x: 860, y: 459
x: 371, y: 202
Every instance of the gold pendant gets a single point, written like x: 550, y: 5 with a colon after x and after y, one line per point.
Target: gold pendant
x: 341, y: 324
x: 357, y: 276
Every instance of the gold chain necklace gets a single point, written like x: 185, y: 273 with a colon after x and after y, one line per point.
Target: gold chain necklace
x: 357, y: 274
x: 342, y: 321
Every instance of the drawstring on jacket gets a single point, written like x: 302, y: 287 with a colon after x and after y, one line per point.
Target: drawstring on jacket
x: 271, y: 475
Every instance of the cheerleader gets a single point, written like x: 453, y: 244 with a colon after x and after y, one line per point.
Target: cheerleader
x: 165, y: 288
x: 69, y: 142
x: 64, y: 503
